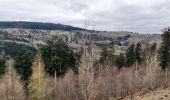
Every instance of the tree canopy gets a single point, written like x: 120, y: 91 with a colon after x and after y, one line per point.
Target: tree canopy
x: 130, y: 55
x: 121, y: 60
x: 164, y: 52
x: 23, y: 64
x: 107, y: 53
x: 138, y: 53
x: 58, y: 58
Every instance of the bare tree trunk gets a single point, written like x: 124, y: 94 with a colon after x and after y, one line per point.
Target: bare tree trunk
x: 55, y: 86
x: 79, y: 95
x: 166, y: 77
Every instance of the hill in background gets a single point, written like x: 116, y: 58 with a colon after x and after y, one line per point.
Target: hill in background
x: 34, y: 34
x: 37, y: 25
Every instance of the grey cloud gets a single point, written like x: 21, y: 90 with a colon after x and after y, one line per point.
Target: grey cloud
x: 113, y: 15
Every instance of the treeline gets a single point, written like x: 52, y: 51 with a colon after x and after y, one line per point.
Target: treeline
x: 53, y: 60
x: 56, y: 72
x: 38, y: 25
x: 135, y: 54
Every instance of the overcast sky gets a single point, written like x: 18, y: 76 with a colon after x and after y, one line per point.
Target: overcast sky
x: 145, y: 16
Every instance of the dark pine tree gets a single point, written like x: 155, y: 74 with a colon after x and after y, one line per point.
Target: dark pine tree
x: 138, y: 53
x: 121, y: 61
x: 164, y: 52
x: 107, y: 53
x: 58, y: 58
x: 23, y: 65
x: 130, y: 55
x: 2, y: 66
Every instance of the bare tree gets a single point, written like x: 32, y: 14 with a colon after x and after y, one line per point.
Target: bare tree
x: 86, y: 72
x: 11, y: 88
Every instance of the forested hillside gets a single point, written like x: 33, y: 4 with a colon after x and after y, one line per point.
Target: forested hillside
x: 32, y: 35
x: 37, y: 25
x: 84, y: 49
x: 57, y: 70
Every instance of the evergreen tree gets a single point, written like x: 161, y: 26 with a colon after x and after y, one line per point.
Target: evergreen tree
x: 104, y: 54
x: 130, y: 55
x: 2, y: 66
x: 23, y: 65
x: 58, y: 58
x: 153, y: 47
x: 38, y: 87
x: 164, y: 53
x: 138, y: 53
x: 121, y: 60
x: 107, y: 53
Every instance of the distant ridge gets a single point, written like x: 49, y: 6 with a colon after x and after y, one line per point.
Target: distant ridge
x: 37, y: 25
